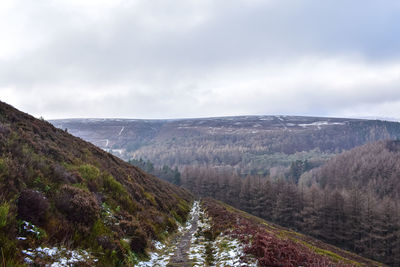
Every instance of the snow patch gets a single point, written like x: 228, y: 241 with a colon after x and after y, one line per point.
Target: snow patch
x: 226, y: 251
x: 160, y: 257
x: 59, y: 257
x: 30, y: 228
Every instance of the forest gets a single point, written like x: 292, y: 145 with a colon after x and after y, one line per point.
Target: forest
x: 264, y: 150
x: 351, y: 202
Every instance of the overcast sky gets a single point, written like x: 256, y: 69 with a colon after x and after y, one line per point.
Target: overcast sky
x: 199, y: 58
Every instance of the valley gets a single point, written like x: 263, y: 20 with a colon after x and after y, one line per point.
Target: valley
x: 330, y: 178
x: 66, y: 202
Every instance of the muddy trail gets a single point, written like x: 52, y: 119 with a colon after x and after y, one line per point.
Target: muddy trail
x: 180, y: 257
x: 189, y: 247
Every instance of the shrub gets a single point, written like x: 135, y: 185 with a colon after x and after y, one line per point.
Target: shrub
x: 8, y: 250
x: 139, y: 241
x: 33, y: 206
x: 4, y: 208
x: 91, y: 175
x: 106, y: 242
x: 3, y: 167
x: 62, y: 175
x: 128, y: 227
x: 89, y: 172
x: 150, y: 198
x: 78, y: 205
x: 113, y: 186
x: 118, y: 193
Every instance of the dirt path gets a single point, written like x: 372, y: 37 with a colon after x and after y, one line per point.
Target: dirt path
x: 180, y: 257
x: 191, y: 248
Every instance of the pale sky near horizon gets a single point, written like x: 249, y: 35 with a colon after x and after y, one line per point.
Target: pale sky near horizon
x: 200, y: 58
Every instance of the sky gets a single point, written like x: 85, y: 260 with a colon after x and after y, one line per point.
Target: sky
x: 200, y: 58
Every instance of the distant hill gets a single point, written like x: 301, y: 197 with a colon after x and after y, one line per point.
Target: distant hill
x: 249, y: 144
x: 63, y: 197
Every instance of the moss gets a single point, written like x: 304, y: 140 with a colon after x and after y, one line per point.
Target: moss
x: 335, y: 257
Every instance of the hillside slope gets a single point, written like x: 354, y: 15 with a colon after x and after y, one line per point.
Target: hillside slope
x: 251, y: 144
x: 273, y: 245
x: 365, y: 183
x: 218, y: 235
x: 373, y: 167
x: 63, y: 197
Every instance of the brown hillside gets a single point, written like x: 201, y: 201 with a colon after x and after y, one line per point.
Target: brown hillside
x: 76, y: 195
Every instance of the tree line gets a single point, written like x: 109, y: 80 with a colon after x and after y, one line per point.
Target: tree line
x: 165, y: 172
x: 354, y: 219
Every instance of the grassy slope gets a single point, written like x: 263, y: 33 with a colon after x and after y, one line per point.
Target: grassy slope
x: 77, y: 195
x: 274, y: 245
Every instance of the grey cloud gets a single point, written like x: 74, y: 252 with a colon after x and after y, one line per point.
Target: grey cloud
x: 148, y: 49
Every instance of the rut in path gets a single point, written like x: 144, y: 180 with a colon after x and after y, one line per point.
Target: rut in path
x: 180, y: 257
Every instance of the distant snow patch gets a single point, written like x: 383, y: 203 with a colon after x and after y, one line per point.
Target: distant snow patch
x: 318, y: 124
x: 122, y: 129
